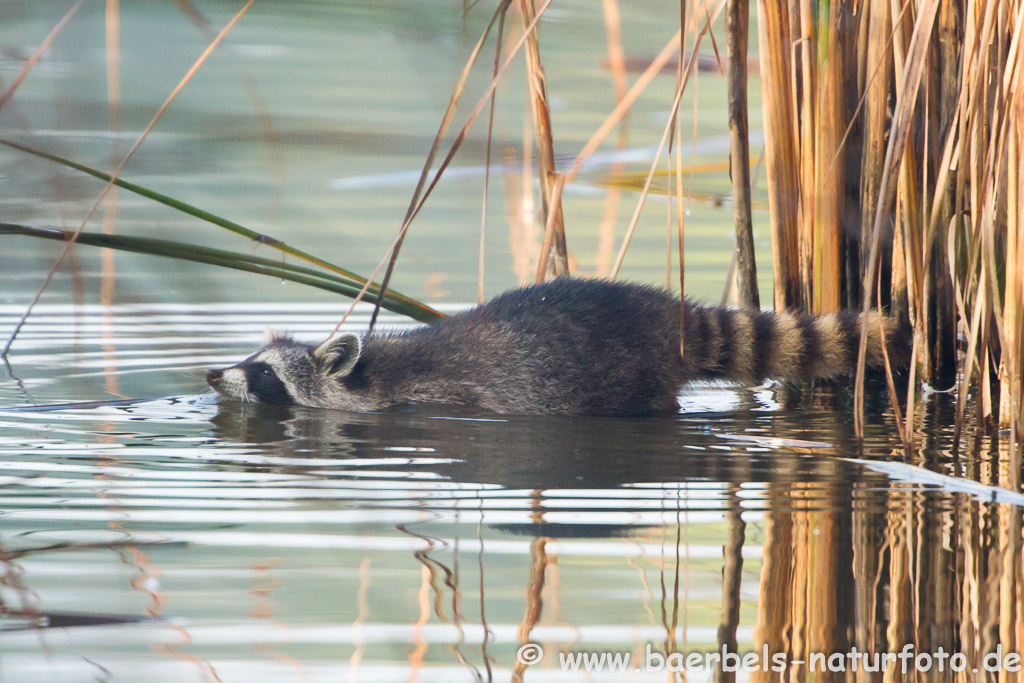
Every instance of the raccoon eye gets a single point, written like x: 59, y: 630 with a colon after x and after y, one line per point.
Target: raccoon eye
x: 267, y: 372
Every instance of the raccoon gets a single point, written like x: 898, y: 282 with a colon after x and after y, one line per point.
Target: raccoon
x: 570, y: 346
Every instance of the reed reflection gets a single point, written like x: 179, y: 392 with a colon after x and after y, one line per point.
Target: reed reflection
x: 838, y: 556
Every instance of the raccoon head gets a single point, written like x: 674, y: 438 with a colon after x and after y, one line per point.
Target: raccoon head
x: 289, y: 372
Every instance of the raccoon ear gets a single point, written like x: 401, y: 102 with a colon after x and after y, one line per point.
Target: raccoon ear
x: 271, y: 335
x: 339, y: 354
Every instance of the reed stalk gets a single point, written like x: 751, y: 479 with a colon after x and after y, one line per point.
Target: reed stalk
x: 682, y: 80
x: 617, y: 66
x: 548, y: 248
x: 679, y: 204
x: 423, y: 189
x: 30, y: 63
x: 481, y: 259
x: 538, y: 98
x: 736, y: 23
x: 780, y: 151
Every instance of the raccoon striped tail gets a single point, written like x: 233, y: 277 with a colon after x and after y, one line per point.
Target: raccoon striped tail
x: 751, y: 346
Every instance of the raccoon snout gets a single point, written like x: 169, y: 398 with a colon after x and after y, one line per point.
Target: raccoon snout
x: 213, y: 377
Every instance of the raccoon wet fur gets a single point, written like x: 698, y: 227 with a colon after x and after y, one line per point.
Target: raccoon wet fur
x: 571, y: 346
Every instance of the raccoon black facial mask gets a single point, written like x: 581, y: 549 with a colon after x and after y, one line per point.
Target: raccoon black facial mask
x: 265, y: 384
x: 288, y: 372
x: 585, y: 347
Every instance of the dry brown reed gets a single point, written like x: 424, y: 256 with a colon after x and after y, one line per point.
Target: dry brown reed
x: 737, y: 22
x: 680, y: 88
x: 481, y: 259
x: 549, y: 247
x: 679, y: 205
x: 894, y: 166
x: 892, y: 154
x: 617, y: 66
x: 423, y: 189
x: 254, y: 92
x: 893, y: 157
x: 892, y: 151
x: 619, y: 113
x: 30, y: 63
x: 551, y: 204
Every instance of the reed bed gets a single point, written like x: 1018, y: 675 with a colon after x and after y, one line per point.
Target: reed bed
x: 892, y: 142
x: 893, y: 163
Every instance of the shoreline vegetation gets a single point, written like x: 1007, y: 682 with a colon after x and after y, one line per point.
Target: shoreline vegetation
x: 892, y: 161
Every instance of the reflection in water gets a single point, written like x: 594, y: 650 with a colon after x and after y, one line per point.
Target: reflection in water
x: 926, y: 568
x: 178, y: 540
x: 296, y: 533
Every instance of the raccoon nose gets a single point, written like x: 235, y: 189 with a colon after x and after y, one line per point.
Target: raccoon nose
x: 213, y: 376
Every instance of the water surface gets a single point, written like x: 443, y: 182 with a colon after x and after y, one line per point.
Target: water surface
x: 175, y: 539
x: 150, y: 535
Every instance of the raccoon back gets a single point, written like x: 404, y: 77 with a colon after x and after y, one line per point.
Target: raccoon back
x: 606, y: 348
x: 568, y: 346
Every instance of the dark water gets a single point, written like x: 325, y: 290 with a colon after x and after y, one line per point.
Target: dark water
x: 177, y: 540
